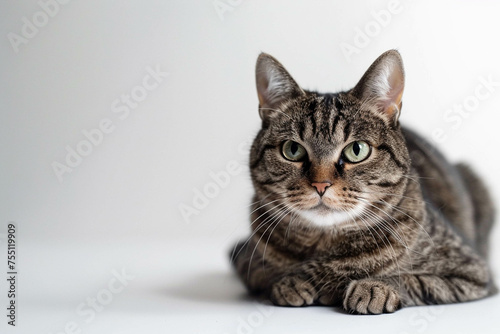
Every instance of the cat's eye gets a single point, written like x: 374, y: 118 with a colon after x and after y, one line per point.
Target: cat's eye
x: 293, y: 151
x: 356, y: 151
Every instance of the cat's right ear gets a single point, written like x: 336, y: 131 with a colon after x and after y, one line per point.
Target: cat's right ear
x: 274, y: 86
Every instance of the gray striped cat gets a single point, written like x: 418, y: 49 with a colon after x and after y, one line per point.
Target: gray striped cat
x: 354, y: 210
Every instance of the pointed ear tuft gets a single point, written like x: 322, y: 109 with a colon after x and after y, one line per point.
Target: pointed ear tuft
x: 274, y: 85
x: 382, y: 85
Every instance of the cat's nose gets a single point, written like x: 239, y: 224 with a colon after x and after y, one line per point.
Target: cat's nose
x: 321, y: 187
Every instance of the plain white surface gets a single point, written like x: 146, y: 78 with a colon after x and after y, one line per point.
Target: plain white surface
x: 119, y: 208
x: 185, y: 286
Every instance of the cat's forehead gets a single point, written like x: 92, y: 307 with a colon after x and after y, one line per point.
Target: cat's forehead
x: 332, y: 119
x: 321, y: 107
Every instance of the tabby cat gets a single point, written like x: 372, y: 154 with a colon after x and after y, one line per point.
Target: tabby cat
x: 352, y: 209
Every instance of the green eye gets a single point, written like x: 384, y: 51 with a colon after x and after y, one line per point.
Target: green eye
x: 293, y: 151
x: 356, y: 151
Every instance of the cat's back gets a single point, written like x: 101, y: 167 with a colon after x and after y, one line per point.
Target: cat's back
x: 440, y: 180
x: 454, y: 190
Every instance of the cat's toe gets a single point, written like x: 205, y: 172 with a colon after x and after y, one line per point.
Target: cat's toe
x: 371, y: 297
x: 292, y: 291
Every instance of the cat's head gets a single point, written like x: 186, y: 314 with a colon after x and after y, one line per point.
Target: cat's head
x: 330, y: 158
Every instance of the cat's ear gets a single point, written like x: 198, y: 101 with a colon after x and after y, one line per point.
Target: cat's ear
x: 274, y: 85
x: 382, y: 85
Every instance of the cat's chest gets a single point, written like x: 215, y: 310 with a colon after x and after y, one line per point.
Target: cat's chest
x: 312, y: 244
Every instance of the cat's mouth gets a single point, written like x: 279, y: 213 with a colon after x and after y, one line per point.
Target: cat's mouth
x: 322, y: 209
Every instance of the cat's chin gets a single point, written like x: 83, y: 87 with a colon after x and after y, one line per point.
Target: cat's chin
x: 323, y: 216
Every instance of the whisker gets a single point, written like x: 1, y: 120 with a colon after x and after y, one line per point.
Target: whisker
x: 275, y: 218
x: 283, y: 216
x: 395, y: 195
x: 395, y: 208
x: 256, y: 229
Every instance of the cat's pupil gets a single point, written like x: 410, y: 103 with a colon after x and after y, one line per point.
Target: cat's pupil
x: 294, y: 148
x: 356, y: 148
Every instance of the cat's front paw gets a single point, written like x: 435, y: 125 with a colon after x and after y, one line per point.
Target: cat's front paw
x: 369, y: 296
x: 293, y: 291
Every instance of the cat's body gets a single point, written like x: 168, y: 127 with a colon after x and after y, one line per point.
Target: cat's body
x: 351, y: 209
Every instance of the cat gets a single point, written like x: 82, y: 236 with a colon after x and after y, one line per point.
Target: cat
x: 352, y: 209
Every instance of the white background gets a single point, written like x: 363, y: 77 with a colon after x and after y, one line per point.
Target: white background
x: 119, y: 208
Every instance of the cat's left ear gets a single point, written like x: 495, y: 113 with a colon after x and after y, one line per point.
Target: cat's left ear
x: 382, y: 85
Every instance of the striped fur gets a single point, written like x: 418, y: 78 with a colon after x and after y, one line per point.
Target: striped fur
x: 403, y: 227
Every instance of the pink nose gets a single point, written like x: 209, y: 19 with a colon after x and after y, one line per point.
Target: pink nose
x: 321, y: 187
